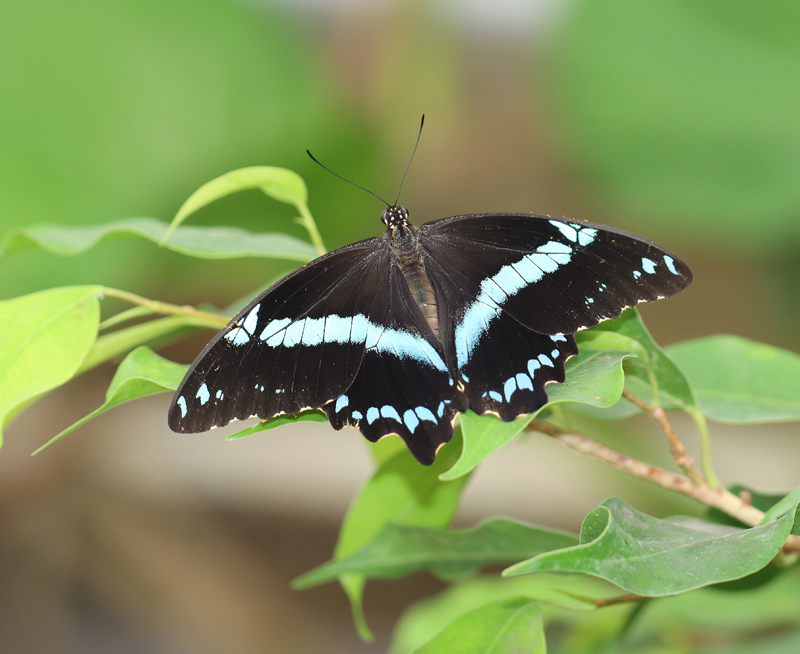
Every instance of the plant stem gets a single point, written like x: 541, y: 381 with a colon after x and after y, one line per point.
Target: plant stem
x: 619, y: 599
x: 167, y: 309
x: 720, y: 497
x: 307, y: 221
x: 682, y: 459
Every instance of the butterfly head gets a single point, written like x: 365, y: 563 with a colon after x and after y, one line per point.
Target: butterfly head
x: 394, y: 217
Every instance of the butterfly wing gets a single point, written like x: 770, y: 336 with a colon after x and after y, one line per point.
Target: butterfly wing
x: 296, y: 346
x: 342, y: 334
x: 512, y: 288
x: 554, y: 275
x: 404, y: 386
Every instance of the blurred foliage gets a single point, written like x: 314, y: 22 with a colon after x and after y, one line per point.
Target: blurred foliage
x: 123, y: 108
x: 686, y: 114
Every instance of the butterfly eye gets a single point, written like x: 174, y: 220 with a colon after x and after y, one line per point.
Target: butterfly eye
x: 385, y: 216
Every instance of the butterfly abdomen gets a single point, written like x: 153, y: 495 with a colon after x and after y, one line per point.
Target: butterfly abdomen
x: 409, y: 256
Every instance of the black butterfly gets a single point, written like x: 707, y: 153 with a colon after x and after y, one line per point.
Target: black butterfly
x: 398, y: 334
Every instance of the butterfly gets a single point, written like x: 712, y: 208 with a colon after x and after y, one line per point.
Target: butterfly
x: 399, y: 334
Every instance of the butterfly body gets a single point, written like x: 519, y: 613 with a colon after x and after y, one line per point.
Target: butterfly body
x: 400, y: 333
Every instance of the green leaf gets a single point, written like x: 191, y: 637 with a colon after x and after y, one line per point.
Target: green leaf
x: 45, y: 338
x: 424, y: 619
x: 594, y: 377
x: 654, y: 557
x: 141, y: 373
x: 278, y: 183
x: 504, y: 627
x: 399, y: 550
x: 404, y: 492
x: 739, y: 380
x: 117, y: 343
x: 782, y: 506
x: 313, y: 415
x: 199, y: 242
x: 654, y: 377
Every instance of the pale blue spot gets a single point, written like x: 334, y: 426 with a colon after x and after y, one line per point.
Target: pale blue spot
x: 648, y: 265
x: 425, y: 413
x: 390, y: 412
x: 558, y: 337
x: 203, y: 394
x: 220, y: 395
x: 567, y: 230
x: 508, y: 278
x: 555, y: 354
x: 338, y: 329
x: 589, y: 300
x: 465, y: 378
x: 603, y: 287
x: 523, y: 381
x: 252, y: 320
x: 411, y: 420
x: 278, y: 391
x: 533, y: 366
x: 440, y: 410
x: 342, y: 402
x: 182, y: 405
x: 670, y: 264
x: 237, y: 336
x: 358, y: 333
x: 272, y: 329
x: 554, y: 248
x: 357, y: 415
x: 545, y: 360
x: 313, y: 334
x: 509, y: 387
x: 294, y: 333
x: 636, y: 274
x: 528, y: 270
x: 495, y: 396
x: 372, y: 414
x: 586, y: 236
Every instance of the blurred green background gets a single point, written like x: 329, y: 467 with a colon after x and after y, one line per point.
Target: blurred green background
x: 674, y: 119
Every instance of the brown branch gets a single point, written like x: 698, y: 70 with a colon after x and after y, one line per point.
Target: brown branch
x: 684, y: 461
x: 719, y: 497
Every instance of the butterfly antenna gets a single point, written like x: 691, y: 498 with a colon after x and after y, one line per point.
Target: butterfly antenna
x: 422, y: 122
x: 347, y: 180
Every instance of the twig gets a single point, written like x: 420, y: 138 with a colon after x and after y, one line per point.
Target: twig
x: 683, y: 460
x: 719, y: 497
x: 213, y: 319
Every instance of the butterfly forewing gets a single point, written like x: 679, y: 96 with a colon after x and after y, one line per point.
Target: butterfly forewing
x: 556, y: 276
x: 298, y: 345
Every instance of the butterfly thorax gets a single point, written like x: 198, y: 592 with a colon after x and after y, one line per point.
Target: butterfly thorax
x: 405, y: 246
